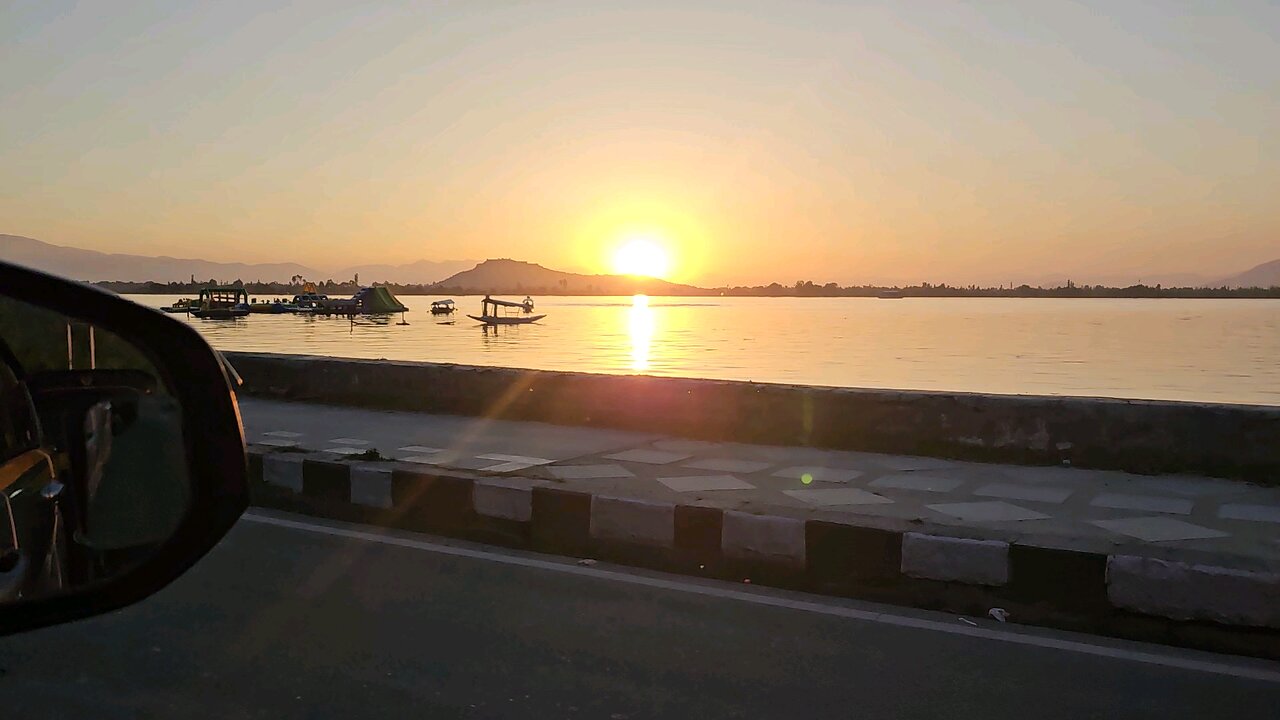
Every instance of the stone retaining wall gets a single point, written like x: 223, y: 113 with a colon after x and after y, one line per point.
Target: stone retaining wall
x: 1241, y: 441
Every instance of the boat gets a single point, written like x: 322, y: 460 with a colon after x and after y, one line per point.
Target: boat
x: 273, y: 307
x: 890, y: 295
x: 309, y: 301
x: 222, y: 303
x: 492, y: 312
x: 506, y: 319
x: 443, y: 307
x: 185, y: 305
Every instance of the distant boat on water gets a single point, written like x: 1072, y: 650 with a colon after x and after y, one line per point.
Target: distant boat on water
x: 185, y: 305
x: 890, y: 295
x: 272, y: 307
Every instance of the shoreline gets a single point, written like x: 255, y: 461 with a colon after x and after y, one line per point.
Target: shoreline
x: 1034, y: 294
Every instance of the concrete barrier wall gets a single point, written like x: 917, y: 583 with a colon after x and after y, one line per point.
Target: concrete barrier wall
x: 1134, y: 435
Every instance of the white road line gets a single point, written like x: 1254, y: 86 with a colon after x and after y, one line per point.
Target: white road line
x: 1266, y: 672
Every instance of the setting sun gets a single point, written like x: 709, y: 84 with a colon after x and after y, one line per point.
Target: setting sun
x: 641, y: 256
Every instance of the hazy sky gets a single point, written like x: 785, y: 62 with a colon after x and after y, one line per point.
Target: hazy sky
x: 787, y: 140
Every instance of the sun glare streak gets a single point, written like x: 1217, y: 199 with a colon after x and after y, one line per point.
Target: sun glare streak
x: 641, y: 326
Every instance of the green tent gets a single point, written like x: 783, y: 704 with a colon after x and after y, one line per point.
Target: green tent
x: 376, y: 300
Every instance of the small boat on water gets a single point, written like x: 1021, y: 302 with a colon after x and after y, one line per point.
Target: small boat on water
x: 272, y: 307
x: 443, y: 307
x: 185, y: 305
x: 309, y: 302
x: 890, y: 295
x: 496, y: 312
x: 222, y: 303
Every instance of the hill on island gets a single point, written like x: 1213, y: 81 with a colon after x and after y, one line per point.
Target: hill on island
x: 515, y: 277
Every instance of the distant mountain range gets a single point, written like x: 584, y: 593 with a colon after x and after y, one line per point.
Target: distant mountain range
x: 494, y: 276
x: 422, y: 272
x: 1264, y: 275
x: 92, y: 265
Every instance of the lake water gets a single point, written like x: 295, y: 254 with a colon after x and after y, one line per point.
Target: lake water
x: 1214, y: 350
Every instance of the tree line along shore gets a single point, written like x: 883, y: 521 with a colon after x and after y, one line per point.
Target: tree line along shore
x: 799, y: 289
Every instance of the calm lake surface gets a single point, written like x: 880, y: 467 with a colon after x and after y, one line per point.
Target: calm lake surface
x: 1213, y: 350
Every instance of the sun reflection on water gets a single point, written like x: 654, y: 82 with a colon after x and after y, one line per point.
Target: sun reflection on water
x: 641, y: 323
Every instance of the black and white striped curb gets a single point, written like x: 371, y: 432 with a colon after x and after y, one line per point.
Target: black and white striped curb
x: 814, y: 555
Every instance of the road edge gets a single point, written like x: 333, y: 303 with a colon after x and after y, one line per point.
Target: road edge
x: 1174, y: 603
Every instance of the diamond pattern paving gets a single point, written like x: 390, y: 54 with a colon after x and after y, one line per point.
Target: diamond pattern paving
x: 1061, y: 504
x: 1034, y: 493
x: 691, y: 446
x: 826, y: 497
x: 525, y: 459
x: 706, y: 482
x: 1257, y: 513
x: 1145, y: 503
x: 728, y: 465
x: 426, y: 459
x: 1158, y: 529
x: 589, y: 472
x: 987, y: 512
x: 1198, y: 487
x: 650, y: 457
x: 905, y: 463
x: 507, y: 467
x: 918, y: 481
x: 819, y: 474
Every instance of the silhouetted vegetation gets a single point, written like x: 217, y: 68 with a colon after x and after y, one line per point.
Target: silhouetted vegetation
x: 1070, y: 290
x: 799, y: 289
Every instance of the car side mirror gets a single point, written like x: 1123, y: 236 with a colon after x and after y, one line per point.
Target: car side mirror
x: 122, y: 457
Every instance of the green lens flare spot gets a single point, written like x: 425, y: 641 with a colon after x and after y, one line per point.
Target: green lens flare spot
x: 807, y: 479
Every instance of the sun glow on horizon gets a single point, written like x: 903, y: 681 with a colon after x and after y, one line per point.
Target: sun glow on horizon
x: 642, y: 255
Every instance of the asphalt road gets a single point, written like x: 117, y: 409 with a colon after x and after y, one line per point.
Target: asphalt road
x: 283, y: 622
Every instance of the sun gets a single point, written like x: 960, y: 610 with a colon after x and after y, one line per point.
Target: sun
x: 641, y: 256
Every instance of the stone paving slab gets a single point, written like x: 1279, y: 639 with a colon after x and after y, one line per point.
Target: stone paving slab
x: 1057, y: 506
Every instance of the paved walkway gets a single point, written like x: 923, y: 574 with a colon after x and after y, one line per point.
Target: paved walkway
x: 1169, y: 516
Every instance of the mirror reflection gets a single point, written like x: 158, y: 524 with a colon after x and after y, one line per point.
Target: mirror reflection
x: 93, y: 464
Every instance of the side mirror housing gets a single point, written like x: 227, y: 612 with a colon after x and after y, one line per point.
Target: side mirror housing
x: 122, y: 458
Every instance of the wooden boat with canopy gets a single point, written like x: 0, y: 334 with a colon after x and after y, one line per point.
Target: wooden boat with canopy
x: 504, y: 312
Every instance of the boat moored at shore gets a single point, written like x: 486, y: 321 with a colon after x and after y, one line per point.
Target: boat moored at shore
x: 222, y: 303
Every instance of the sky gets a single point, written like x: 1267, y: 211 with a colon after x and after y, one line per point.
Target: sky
x: 751, y: 141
